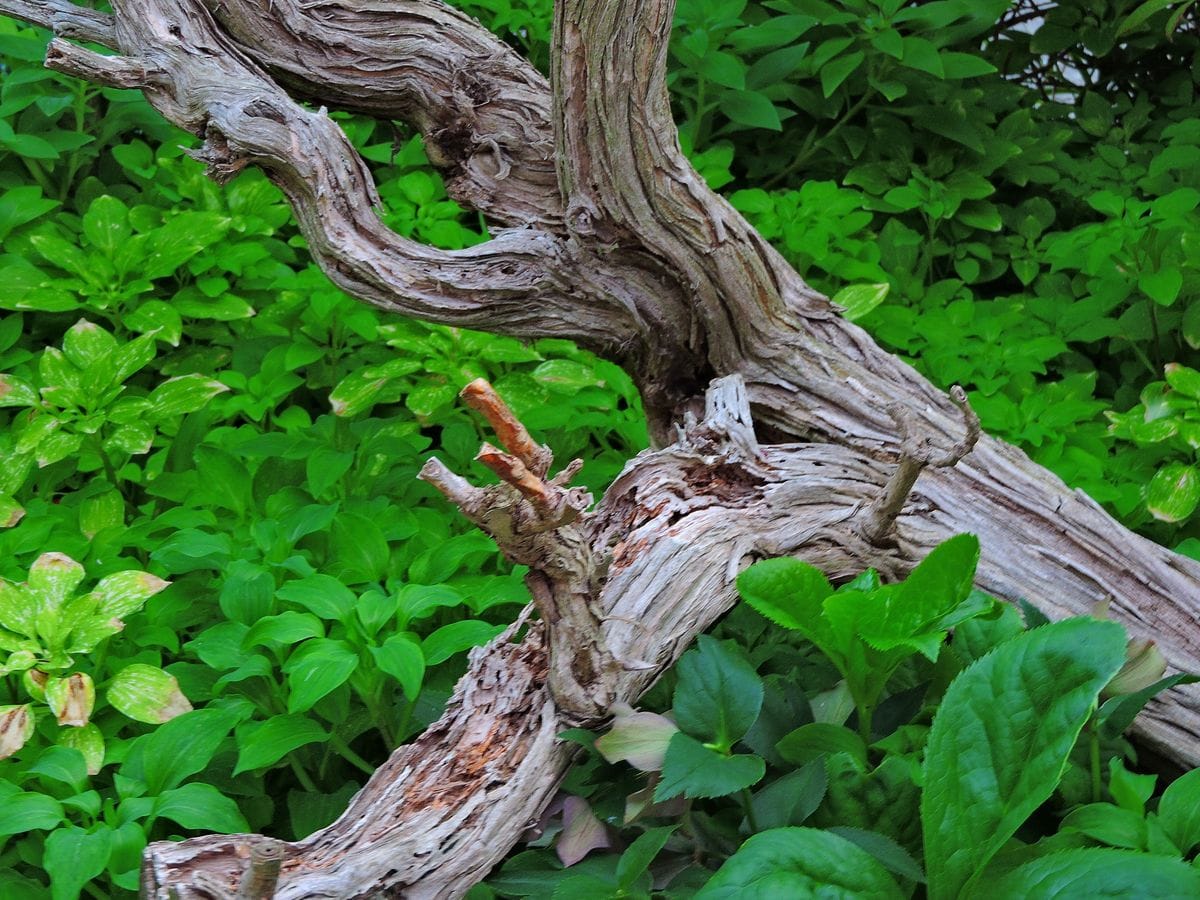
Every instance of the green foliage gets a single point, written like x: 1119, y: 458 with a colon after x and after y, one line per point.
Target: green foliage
x: 964, y: 782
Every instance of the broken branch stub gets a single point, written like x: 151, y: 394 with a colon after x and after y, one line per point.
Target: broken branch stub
x: 532, y: 521
x: 916, y: 454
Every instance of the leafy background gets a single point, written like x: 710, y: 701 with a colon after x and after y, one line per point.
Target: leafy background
x: 1004, y: 194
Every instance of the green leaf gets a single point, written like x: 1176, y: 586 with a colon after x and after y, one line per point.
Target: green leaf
x: 692, y: 770
x: 403, y: 659
x: 790, y: 593
x: 718, y: 694
x: 791, y: 799
x: 890, y: 855
x: 1173, y: 493
x: 857, y: 300
x: 15, y: 392
x: 923, y: 55
x: 30, y: 812
x: 288, y: 627
x: 358, y: 551
x: 751, y: 109
x: 183, y: 394
x: 1179, y: 811
x: 806, y: 743
x: 177, y: 749
x: 457, y: 637
x: 799, y: 863
x: 1000, y: 741
x: 1117, y: 713
x: 1183, y: 379
x: 106, y: 224
x: 201, y: 807
x: 262, y: 744
x: 317, y: 667
x: 1095, y: 872
x: 637, y: 857
x: 73, y: 857
x: 321, y: 595
x: 1162, y: 287
x: 836, y: 71
x: 1108, y: 824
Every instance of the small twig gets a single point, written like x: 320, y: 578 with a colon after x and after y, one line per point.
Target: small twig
x: 515, y: 472
x: 112, y: 71
x: 513, y: 436
x: 915, y: 455
x: 65, y: 19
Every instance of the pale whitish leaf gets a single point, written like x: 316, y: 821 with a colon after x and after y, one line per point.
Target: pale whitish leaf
x: 123, y: 593
x: 1173, y: 493
x: 52, y: 578
x: 147, y: 694
x: 857, y: 300
x: 638, y: 738
x: 11, y: 512
x: 582, y: 832
x: 15, y: 392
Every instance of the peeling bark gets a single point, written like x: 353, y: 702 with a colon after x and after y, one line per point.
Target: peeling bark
x: 619, y: 245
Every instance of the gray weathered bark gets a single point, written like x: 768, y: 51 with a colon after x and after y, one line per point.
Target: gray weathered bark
x: 612, y: 240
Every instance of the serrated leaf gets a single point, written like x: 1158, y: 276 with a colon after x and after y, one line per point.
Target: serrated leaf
x: 692, y: 770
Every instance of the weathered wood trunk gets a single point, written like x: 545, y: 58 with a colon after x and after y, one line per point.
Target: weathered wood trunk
x: 609, y: 238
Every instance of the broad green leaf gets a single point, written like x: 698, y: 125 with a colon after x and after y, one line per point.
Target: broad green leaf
x: 321, y: 595
x: 692, y: 770
x: 52, y: 579
x: 807, y: 742
x: 457, y: 637
x: 101, y: 511
x: 403, y: 659
x: 799, y: 863
x: 1173, y: 493
x: 289, y: 627
x: 751, y: 109
x: 637, y: 857
x: 106, y: 224
x: 1183, y: 379
x: 183, y: 394
x: 791, y: 799
x: 74, y: 857
x: 262, y: 744
x: 29, y: 812
x: 1162, y: 286
x: 836, y: 71
x: 1179, y: 811
x: 183, y: 746
x: 16, y: 392
x: 89, y: 742
x: 359, y: 552
x: 314, y: 669
x: 201, y: 807
x: 718, y: 693
x: 1095, y: 872
x: 1107, y: 824
x: 1001, y: 739
x: 63, y: 764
